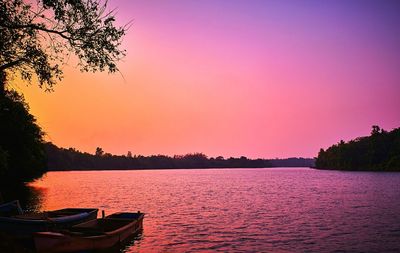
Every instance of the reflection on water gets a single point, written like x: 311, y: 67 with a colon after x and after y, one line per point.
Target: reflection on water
x: 241, y: 210
x: 30, y: 196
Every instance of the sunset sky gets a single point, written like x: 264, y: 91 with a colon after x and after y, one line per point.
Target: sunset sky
x: 255, y: 78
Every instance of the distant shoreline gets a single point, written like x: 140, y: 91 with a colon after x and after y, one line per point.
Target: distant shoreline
x: 60, y: 159
x: 224, y: 168
x: 208, y: 168
x: 356, y: 170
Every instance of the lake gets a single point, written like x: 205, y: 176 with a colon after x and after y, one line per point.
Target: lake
x: 240, y: 210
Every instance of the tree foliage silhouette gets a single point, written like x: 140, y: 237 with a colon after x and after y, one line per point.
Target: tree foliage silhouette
x: 99, y: 151
x: 22, y: 152
x: 72, y: 159
x: 37, y: 38
x: 378, y: 152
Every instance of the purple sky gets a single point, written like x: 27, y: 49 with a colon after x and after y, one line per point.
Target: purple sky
x: 255, y: 78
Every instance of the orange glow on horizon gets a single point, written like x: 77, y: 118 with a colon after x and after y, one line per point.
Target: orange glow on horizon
x: 270, y: 84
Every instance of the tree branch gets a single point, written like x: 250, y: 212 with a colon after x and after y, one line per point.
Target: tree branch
x: 11, y: 64
x: 37, y: 27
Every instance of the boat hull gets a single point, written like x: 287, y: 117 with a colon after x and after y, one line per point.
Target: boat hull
x: 86, y: 236
x: 24, y: 225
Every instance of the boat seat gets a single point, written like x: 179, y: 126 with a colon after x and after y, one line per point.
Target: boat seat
x: 10, y: 209
x: 86, y: 231
x: 32, y: 216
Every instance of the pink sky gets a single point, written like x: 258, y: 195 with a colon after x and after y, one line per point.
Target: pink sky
x: 255, y: 78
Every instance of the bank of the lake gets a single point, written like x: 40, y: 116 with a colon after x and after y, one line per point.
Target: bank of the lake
x: 67, y: 159
x: 378, y: 152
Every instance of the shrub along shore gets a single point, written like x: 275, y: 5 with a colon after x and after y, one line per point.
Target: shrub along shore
x: 378, y: 152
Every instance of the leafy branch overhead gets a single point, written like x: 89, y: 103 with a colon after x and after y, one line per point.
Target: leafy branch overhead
x: 38, y: 37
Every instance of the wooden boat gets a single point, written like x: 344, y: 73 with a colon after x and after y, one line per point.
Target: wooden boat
x: 97, y: 234
x: 10, y: 208
x: 21, y: 224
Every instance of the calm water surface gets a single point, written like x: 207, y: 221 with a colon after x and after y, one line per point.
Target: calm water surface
x: 241, y: 210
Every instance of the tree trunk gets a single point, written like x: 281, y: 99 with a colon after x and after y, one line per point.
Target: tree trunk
x: 2, y: 84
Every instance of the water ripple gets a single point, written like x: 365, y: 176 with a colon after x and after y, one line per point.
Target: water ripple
x: 243, y: 210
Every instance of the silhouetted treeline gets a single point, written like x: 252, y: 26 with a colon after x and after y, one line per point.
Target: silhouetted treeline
x: 292, y: 162
x: 22, y: 151
x: 378, y: 152
x: 72, y: 159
